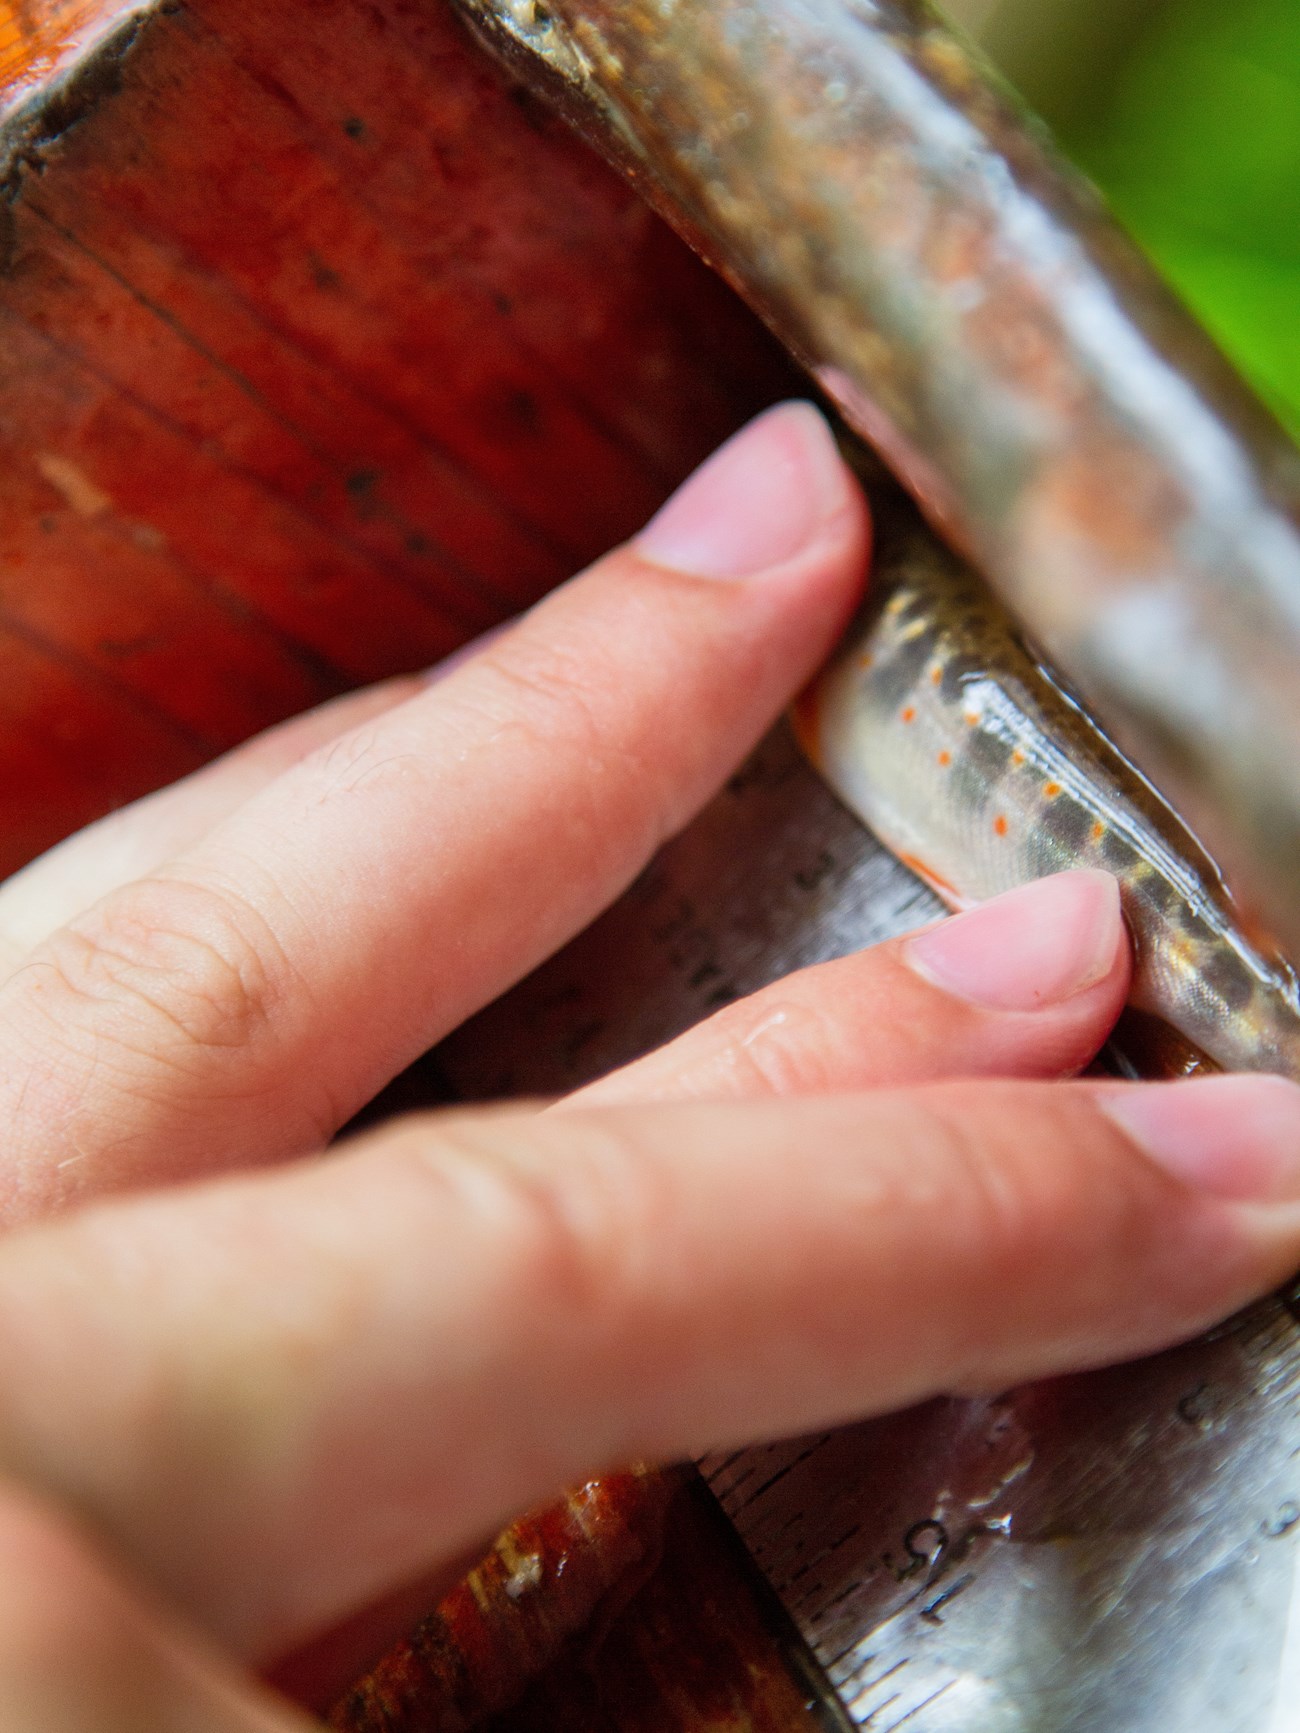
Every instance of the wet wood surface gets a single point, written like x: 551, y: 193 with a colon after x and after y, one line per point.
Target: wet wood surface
x: 38, y: 37
x: 323, y: 349
x: 629, y: 1608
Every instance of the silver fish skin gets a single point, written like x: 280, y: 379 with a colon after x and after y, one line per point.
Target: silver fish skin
x: 936, y: 725
x: 957, y: 290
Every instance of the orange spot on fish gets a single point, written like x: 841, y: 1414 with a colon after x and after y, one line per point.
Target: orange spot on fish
x: 1000, y: 825
x: 1098, y: 831
x: 1018, y: 756
x: 936, y: 675
x: 1051, y: 789
x: 972, y: 718
x: 866, y: 661
x: 945, y: 758
x: 909, y: 714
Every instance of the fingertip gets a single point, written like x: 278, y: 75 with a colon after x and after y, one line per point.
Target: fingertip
x: 1027, y: 986
x: 1231, y: 1137
x: 778, y: 492
x: 1031, y: 949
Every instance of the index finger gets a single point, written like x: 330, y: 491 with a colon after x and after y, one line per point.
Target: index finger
x: 138, y: 839
x: 241, y: 1004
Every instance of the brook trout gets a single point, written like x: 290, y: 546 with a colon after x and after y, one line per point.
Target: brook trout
x: 942, y: 731
x: 959, y: 292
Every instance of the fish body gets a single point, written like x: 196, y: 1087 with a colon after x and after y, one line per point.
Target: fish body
x: 939, y: 728
x: 961, y: 296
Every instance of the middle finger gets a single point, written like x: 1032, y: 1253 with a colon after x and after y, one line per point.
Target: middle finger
x: 1027, y: 985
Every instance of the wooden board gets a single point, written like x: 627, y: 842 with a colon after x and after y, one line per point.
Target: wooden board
x: 322, y: 350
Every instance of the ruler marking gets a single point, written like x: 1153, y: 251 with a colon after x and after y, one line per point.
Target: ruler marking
x: 740, y: 1480
x: 825, y: 1552
x: 929, y: 1702
x: 726, y: 1463
x: 846, y: 1650
x: 931, y: 1613
x: 844, y: 1594
x: 871, y: 1684
x: 779, y: 1476
x: 880, y: 1709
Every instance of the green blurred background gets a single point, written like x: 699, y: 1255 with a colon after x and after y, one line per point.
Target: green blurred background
x: 1187, y: 114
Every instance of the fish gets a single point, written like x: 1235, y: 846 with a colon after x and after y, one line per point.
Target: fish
x: 963, y: 303
x: 941, y: 728
x: 958, y: 290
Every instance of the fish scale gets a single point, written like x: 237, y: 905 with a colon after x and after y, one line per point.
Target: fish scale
x: 940, y: 729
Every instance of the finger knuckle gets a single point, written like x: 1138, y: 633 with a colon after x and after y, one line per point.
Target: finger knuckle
x: 588, y: 1215
x: 368, y: 758
x: 554, y: 695
x: 1027, y: 1203
x: 781, y: 1048
x: 193, y: 962
x: 999, y: 1213
x: 549, y: 689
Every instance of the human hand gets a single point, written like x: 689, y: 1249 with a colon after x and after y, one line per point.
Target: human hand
x: 244, y: 1405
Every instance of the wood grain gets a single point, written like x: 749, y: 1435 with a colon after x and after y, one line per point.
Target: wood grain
x: 39, y: 37
x: 631, y: 1607
x: 323, y: 349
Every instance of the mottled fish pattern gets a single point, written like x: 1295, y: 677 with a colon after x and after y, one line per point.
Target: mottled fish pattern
x: 937, y: 726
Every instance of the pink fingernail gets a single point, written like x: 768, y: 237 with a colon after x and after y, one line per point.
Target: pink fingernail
x: 465, y: 653
x: 1028, y: 949
x: 1234, y: 1137
x: 756, y: 503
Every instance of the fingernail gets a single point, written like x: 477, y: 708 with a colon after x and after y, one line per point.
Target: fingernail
x: 1028, y: 949
x: 1234, y: 1137
x: 756, y: 503
x: 465, y: 653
